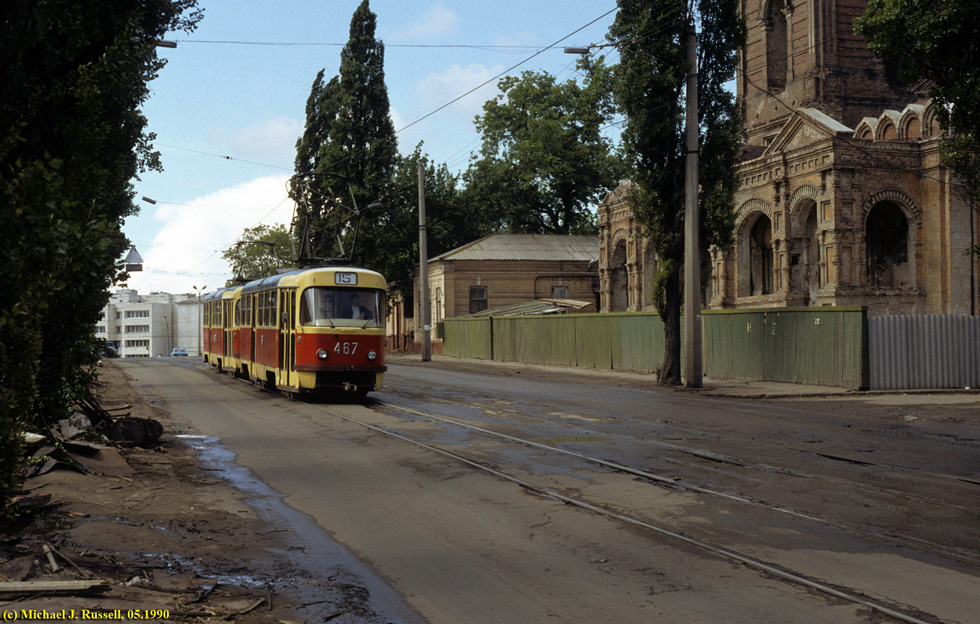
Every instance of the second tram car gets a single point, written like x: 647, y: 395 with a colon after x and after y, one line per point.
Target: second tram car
x: 301, y: 332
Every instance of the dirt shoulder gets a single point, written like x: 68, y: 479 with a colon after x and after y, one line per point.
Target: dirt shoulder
x: 162, y: 537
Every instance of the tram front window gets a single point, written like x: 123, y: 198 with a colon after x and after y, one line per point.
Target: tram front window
x: 341, y: 307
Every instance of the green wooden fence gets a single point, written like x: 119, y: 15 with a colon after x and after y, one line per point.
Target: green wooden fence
x: 825, y: 346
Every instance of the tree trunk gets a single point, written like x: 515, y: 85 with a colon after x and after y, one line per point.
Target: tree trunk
x: 670, y: 370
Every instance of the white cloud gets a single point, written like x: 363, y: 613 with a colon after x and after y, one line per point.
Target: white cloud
x: 271, y: 141
x: 517, y: 39
x: 186, y: 250
x: 438, y: 20
x: 438, y: 88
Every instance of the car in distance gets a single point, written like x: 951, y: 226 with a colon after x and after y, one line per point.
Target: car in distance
x: 178, y: 352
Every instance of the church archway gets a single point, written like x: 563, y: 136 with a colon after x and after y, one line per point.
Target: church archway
x: 619, y: 286
x: 804, y: 257
x: 887, y: 245
x: 760, y: 257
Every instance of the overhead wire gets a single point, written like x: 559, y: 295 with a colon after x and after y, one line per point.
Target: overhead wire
x: 516, y: 48
x: 554, y: 45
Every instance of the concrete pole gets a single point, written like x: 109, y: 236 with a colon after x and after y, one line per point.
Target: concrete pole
x: 693, y: 369
x: 424, y: 271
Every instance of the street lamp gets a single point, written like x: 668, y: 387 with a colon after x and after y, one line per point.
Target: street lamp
x: 200, y: 316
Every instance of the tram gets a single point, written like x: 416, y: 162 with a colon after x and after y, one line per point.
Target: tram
x: 304, y: 332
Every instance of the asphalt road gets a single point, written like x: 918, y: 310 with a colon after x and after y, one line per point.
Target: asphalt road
x: 700, y: 510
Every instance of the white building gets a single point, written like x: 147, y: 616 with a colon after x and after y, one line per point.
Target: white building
x: 151, y: 325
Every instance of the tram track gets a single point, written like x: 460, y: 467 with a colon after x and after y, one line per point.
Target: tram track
x: 662, y: 480
x: 894, y: 610
x: 746, y: 443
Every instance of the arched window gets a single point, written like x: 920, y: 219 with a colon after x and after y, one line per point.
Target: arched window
x: 777, y: 57
x: 760, y: 257
x: 888, y: 133
x: 887, y: 243
x: 912, y: 129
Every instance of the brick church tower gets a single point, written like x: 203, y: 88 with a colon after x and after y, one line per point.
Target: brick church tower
x: 805, y: 54
x: 843, y: 198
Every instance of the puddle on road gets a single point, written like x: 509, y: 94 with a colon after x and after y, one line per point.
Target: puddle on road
x: 311, y: 549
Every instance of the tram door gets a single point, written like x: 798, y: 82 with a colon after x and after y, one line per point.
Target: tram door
x: 226, y: 319
x: 287, y: 343
x: 252, y: 306
x: 291, y: 338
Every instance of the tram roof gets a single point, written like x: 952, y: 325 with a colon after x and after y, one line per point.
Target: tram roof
x: 291, y: 277
x: 221, y: 293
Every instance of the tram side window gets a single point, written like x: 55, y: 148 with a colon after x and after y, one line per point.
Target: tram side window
x: 270, y: 308
x: 267, y: 309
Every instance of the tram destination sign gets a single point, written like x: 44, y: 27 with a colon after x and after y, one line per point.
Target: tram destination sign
x: 345, y: 279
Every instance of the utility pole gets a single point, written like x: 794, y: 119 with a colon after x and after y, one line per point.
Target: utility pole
x: 423, y: 270
x: 693, y: 369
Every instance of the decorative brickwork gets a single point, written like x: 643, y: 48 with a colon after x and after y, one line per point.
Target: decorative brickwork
x: 843, y: 200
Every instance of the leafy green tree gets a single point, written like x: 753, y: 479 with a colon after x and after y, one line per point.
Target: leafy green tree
x: 72, y: 138
x: 544, y: 161
x: 349, y: 151
x: 649, y: 89
x: 260, y: 252
x: 936, y: 41
x: 451, y: 219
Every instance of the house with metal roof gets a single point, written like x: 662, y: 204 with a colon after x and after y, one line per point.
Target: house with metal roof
x: 504, y: 270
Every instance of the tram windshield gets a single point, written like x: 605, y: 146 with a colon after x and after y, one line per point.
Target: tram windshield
x: 341, y: 307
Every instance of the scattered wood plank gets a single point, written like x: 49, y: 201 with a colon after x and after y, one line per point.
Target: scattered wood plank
x: 50, y: 556
x: 85, y: 573
x: 30, y: 501
x: 60, y: 588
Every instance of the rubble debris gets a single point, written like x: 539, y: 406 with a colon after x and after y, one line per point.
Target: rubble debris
x: 17, y: 569
x: 126, y: 429
x: 33, y: 438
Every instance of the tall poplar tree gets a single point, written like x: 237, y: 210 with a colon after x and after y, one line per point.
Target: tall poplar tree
x: 649, y: 89
x: 349, y: 150
x: 314, y: 232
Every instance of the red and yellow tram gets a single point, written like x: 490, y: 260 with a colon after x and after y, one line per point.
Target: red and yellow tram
x: 302, y: 332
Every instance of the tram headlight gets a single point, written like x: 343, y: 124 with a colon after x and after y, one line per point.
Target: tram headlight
x: 322, y: 354
x: 372, y: 355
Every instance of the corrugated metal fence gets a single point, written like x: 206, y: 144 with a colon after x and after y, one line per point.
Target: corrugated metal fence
x: 827, y: 346
x: 617, y: 341
x: 824, y: 346
x: 798, y: 345
x: 929, y: 351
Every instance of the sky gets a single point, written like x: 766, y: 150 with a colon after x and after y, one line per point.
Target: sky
x: 230, y: 104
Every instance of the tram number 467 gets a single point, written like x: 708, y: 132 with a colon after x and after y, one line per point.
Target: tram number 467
x: 347, y: 348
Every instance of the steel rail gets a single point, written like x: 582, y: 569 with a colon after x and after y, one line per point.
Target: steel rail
x: 750, y: 562
x: 826, y: 455
x: 906, y: 541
